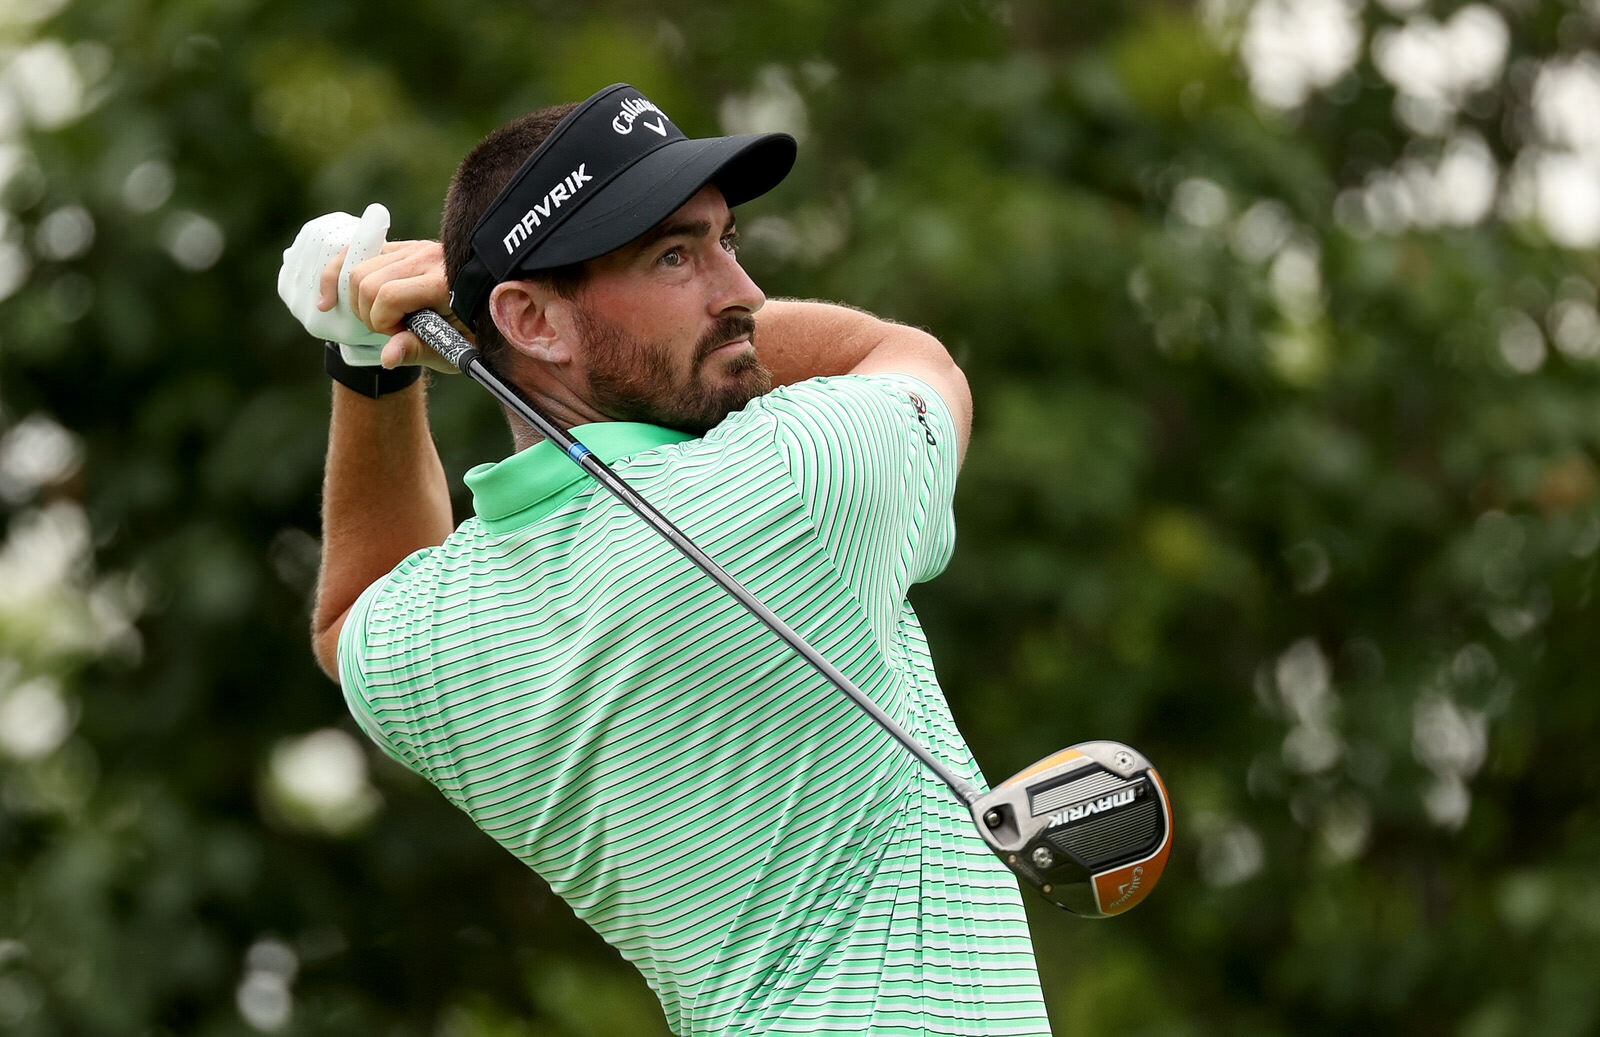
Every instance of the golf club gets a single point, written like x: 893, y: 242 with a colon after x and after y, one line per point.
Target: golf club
x: 1089, y: 827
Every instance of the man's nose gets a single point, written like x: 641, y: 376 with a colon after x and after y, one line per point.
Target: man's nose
x: 738, y: 291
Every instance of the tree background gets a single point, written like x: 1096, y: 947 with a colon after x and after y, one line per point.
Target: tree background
x: 1281, y: 320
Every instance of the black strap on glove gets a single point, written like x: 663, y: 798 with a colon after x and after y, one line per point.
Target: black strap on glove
x: 372, y: 381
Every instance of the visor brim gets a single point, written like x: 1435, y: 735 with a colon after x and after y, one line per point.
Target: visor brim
x: 743, y: 167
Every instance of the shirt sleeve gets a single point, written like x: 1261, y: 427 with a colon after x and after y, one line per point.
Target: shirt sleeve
x: 874, y: 460
x: 379, y: 664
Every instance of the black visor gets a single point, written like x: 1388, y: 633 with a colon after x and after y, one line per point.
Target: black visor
x: 610, y: 171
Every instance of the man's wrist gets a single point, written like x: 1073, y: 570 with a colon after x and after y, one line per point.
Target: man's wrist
x: 372, y: 382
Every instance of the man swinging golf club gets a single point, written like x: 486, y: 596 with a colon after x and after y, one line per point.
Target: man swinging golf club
x: 746, y: 837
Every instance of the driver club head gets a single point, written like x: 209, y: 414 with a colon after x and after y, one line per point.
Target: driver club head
x: 1089, y: 827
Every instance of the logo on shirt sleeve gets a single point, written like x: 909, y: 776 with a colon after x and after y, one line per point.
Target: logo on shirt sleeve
x: 922, y: 416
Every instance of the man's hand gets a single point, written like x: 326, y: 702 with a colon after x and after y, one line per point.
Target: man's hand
x: 344, y: 283
x: 404, y: 277
x: 340, y: 238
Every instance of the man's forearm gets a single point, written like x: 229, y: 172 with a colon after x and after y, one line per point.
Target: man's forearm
x: 384, y: 496
x: 800, y: 339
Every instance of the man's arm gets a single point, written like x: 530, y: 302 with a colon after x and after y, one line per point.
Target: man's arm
x: 384, y: 496
x: 384, y: 493
x: 799, y: 340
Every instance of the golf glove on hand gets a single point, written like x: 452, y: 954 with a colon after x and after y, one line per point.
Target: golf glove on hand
x: 299, y: 279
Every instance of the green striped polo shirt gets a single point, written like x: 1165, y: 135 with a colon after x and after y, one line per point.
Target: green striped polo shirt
x: 766, y: 856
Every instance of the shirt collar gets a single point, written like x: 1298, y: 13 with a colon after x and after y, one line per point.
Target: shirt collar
x: 532, y: 483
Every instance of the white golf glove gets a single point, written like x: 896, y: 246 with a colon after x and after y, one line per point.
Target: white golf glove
x: 299, y: 279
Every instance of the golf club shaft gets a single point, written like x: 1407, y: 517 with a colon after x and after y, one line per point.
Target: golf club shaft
x: 448, y: 343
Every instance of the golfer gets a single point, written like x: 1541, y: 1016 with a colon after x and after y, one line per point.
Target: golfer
x: 766, y: 856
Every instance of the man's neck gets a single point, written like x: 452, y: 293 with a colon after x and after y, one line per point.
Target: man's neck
x: 553, y: 399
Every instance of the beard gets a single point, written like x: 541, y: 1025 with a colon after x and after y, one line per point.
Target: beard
x: 634, y: 380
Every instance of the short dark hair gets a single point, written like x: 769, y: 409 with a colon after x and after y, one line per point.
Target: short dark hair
x: 479, y: 179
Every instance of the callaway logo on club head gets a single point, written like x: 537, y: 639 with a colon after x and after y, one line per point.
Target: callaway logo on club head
x: 633, y: 108
x: 1128, y: 889
x: 1089, y: 808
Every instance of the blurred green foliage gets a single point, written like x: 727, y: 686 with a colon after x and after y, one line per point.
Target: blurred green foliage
x: 1302, y: 504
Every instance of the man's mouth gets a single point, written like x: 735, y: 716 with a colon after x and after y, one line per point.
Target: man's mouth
x: 736, y: 333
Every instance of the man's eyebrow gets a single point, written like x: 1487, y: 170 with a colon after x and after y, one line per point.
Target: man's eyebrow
x: 674, y: 229
x: 680, y: 228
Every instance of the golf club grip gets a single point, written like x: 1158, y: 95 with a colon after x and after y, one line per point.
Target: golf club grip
x: 448, y: 343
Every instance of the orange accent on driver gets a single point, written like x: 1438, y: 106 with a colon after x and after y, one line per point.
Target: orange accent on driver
x: 1043, y: 765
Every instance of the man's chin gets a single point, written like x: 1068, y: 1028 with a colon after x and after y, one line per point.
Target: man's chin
x: 740, y: 383
x: 717, y: 389
x: 750, y: 379
x: 752, y: 375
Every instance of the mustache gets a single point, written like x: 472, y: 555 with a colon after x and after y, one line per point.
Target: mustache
x: 724, y: 330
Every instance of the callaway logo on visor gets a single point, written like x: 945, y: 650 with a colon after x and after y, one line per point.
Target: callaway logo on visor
x: 632, y: 108
x: 611, y: 170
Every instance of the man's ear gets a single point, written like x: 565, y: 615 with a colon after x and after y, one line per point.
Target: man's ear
x: 535, y: 320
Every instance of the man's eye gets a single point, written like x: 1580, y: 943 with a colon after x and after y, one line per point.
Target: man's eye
x: 673, y: 257
x: 730, y: 244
